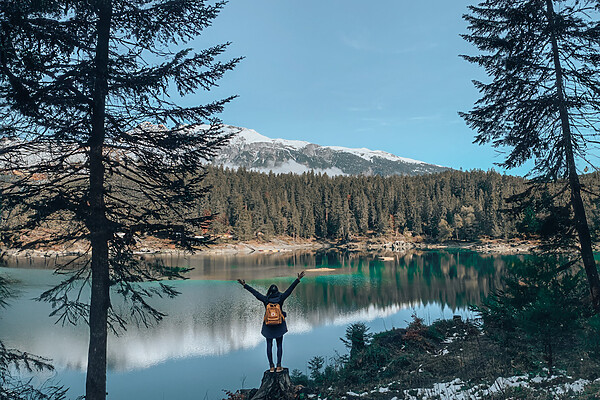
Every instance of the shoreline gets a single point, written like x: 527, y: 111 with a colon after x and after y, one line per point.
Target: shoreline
x: 382, y: 246
x: 402, y: 245
x: 274, y: 246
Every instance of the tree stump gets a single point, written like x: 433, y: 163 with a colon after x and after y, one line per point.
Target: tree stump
x: 276, y: 386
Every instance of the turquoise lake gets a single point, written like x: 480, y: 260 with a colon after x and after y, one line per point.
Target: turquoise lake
x: 210, y: 339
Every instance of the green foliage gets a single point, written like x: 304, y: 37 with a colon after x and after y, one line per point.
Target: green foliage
x: 366, y: 357
x: 541, y: 100
x: 365, y: 366
x: 541, y: 57
x: 530, y: 222
x: 342, y: 207
x: 419, y: 335
x: 314, y: 365
x: 591, y: 337
x: 444, y: 230
x: 320, y: 373
x: 243, y: 227
x: 312, y: 205
x: 539, y: 310
x: 422, y: 355
x: 590, y: 392
x: 299, y: 378
x: 356, y: 339
x: 468, y: 229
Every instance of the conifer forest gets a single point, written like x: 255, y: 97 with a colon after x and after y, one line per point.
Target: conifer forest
x: 453, y: 205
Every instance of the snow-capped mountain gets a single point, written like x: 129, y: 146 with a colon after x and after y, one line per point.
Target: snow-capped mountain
x: 251, y: 150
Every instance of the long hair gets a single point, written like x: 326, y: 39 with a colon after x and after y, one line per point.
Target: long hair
x: 272, y: 290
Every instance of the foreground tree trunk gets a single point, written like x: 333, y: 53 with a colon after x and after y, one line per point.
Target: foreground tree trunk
x: 581, y: 224
x: 276, y: 386
x: 96, y: 219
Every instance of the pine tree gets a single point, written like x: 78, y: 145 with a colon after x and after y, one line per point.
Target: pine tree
x: 322, y: 212
x: 468, y: 222
x: 308, y: 218
x: 544, y: 99
x: 360, y: 209
x: 457, y: 224
x: 400, y: 218
x: 293, y: 218
x: 444, y: 230
x: 243, y: 226
x: 84, y: 84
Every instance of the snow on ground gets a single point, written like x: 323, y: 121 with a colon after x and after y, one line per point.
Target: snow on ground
x: 459, y: 390
x: 456, y: 389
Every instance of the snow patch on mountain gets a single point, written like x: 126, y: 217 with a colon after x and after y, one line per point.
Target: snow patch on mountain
x: 368, y: 154
x: 249, y: 136
x: 249, y: 149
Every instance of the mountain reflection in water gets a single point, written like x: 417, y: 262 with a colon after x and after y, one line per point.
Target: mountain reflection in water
x: 213, y: 315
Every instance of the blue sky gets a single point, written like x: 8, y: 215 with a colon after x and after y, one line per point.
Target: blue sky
x: 381, y: 74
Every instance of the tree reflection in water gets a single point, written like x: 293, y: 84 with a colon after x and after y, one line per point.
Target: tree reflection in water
x: 212, y: 316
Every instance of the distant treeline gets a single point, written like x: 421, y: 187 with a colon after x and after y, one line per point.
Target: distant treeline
x: 449, y: 205
x: 453, y: 205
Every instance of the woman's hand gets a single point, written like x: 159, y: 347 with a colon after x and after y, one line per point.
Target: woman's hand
x: 300, y: 275
x: 242, y: 282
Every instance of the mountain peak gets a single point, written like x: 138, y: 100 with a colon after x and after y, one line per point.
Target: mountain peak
x: 251, y: 150
x: 248, y: 136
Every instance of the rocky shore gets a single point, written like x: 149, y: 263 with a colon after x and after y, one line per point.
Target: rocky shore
x: 381, y: 245
x: 400, y: 245
x: 159, y: 247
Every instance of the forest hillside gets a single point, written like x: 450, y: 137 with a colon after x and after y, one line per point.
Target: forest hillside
x: 449, y: 205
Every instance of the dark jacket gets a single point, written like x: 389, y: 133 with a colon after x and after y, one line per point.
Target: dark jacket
x: 273, y: 331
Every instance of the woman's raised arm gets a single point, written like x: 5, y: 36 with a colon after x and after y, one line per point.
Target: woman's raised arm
x: 255, y: 292
x: 289, y: 290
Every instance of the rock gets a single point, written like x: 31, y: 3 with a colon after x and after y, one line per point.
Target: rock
x: 276, y: 386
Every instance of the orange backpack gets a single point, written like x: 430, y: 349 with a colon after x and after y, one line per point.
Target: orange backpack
x: 273, y: 314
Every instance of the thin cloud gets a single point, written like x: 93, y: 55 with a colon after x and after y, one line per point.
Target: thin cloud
x: 431, y: 117
x: 361, y: 42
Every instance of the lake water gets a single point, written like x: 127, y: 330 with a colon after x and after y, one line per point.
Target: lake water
x: 211, y: 339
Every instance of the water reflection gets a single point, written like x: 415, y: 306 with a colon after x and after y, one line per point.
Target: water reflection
x: 215, y: 316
